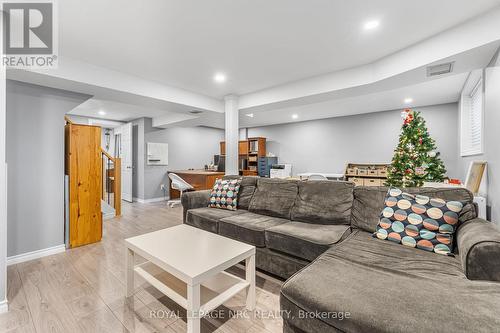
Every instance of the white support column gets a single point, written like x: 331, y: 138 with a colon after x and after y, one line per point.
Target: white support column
x: 3, y: 187
x: 232, y: 134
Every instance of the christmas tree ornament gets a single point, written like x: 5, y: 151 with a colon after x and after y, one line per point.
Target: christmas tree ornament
x: 407, y: 116
x: 419, y: 171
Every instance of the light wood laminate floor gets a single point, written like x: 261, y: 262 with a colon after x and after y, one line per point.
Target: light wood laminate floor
x: 83, y: 289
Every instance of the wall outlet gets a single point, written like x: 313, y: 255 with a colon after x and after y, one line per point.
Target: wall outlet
x: 162, y: 187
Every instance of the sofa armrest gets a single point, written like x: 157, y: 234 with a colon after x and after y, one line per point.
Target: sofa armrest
x: 478, y: 244
x: 194, y: 199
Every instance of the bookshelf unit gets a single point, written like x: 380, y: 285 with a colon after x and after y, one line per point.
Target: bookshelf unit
x: 256, y: 150
x: 252, y: 149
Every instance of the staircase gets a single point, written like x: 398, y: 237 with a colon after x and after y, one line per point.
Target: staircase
x: 111, y: 202
x: 107, y: 211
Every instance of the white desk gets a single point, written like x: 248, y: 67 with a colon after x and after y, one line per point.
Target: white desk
x: 327, y: 175
x: 187, y: 265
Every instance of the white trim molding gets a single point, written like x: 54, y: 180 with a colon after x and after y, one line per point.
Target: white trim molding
x: 35, y: 254
x: 4, y: 306
x: 146, y: 201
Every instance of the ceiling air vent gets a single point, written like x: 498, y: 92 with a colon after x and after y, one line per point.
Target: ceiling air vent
x: 196, y: 112
x: 440, y: 69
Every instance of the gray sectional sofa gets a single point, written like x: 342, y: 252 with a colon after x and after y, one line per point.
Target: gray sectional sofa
x: 318, y: 236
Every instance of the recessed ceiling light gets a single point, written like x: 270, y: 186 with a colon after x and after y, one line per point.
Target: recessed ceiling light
x: 249, y: 115
x: 101, y: 113
x: 408, y: 100
x: 219, y: 78
x: 370, y: 25
x: 295, y: 116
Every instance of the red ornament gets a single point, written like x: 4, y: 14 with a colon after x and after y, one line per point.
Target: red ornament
x: 420, y: 140
x: 407, y: 115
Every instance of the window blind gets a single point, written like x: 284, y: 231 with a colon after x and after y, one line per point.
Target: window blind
x: 472, y: 121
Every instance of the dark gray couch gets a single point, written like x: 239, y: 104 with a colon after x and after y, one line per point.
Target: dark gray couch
x: 317, y: 234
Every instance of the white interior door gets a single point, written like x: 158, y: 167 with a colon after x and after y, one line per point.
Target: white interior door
x: 126, y: 156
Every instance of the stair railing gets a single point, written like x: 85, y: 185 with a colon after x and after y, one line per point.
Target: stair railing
x: 111, y: 181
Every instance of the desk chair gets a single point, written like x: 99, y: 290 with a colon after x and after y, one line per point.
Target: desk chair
x: 317, y: 177
x: 177, y: 183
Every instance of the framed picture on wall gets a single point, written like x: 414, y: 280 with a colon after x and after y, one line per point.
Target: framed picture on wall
x: 157, y: 153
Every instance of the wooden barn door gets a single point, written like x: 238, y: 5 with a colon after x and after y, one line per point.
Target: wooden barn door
x: 84, y: 167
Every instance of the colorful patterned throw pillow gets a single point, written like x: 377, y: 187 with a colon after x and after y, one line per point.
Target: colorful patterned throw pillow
x: 419, y: 221
x: 225, y: 194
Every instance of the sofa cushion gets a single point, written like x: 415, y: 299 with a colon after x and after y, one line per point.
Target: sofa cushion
x: 369, y: 202
x: 323, y: 202
x: 304, y: 240
x: 248, y: 227
x: 390, y: 288
x: 274, y: 197
x: 247, y: 188
x: 208, y: 218
x: 419, y: 221
x: 224, y: 194
x: 277, y: 263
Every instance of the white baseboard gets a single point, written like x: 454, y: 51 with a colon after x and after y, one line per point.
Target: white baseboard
x: 35, y: 254
x: 4, y: 306
x: 150, y: 200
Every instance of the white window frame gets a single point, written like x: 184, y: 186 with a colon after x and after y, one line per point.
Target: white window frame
x: 474, y: 84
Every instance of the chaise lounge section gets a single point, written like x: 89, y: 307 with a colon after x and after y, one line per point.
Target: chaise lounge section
x: 340, y: 278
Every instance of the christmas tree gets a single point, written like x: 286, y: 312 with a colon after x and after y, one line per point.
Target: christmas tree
x: 415, y: 158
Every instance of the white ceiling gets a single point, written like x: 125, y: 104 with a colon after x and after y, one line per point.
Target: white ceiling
x: 163, y: 118
x: 157, y: 58
x: 121, y: 111
x: 258, y: 44
x: 440, y: 91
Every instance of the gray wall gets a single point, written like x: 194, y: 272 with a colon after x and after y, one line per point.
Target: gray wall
x: 3, y: 192
x: 326, y: 145
x: 491, y: 139
x: 35, y: 156
x: 138, y: 158
x: 189, y: 147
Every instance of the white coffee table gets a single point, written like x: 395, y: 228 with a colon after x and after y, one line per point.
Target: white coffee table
x: 192, y: 262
